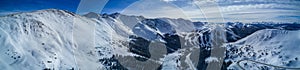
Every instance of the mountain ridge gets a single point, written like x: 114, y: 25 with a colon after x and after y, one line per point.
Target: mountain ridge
x: 45, y: 39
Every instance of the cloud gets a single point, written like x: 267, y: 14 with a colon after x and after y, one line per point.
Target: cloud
x: 258, y: 6
x: 168, y: 0
x: 219, y: 10
x: 154, y: 9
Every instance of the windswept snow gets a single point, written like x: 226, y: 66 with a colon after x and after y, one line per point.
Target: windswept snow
x: 270, y: 46
x: 57, y: 39
x: 44, y: 40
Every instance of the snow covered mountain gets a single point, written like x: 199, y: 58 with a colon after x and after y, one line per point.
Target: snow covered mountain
x: 44, y: 40
x: 58, y: 39
x: 270, y: 46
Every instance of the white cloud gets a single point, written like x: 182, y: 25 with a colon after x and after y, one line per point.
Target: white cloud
x: 168, y: 0
x: 255, y: 6
x: 154, y: 9
x: 199, y: 10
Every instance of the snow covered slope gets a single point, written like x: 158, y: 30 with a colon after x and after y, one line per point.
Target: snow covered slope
x: 270, y: 46
x: 57, y: 39
x: 44, y: 40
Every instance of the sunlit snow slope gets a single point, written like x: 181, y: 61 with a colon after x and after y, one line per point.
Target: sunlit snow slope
x: 270, y: 46
x: 44, y: 40
x: 60, y: 40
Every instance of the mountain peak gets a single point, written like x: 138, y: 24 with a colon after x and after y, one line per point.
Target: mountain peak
x: 92, y: 15
x: 57, y: 11
x: 115, y: 15
x: 46, y: 11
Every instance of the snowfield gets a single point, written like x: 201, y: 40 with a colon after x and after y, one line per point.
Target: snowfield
x: 61, y: 40
x: 270, y: 46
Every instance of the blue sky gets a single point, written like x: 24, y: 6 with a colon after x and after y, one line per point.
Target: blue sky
x: 116, y: 5
x: 196, y: 10
x: 220, y: 10
x: 12, y: 6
